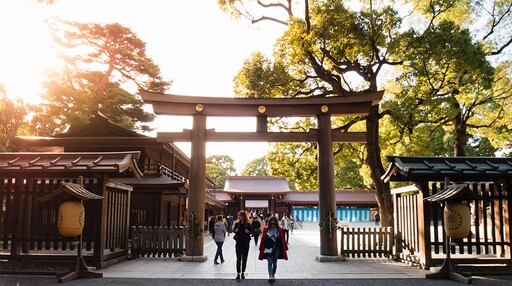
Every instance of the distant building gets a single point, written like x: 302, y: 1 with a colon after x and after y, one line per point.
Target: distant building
x: 272, y: 195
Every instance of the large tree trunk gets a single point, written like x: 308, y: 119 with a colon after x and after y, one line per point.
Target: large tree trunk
x: 459, y: 144
x: 373, y: 160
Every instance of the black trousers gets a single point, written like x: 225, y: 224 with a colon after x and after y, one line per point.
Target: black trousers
x: 256, y: 235
x: 242, y: 250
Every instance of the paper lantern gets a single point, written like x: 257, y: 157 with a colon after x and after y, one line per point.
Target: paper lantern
x: 457, y: 220
x: 71, y: 219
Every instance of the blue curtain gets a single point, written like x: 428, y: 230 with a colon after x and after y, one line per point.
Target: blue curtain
x: 342, y: 214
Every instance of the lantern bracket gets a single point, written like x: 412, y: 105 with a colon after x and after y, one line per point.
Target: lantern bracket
x: 455, y: 193
x: 450, y: 194
x: 75, y: 191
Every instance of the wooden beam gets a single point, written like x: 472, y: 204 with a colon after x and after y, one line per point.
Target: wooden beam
x: 87, y: 141
x: 310, y: 136
x: 261, y: 123
x: 170, y: 104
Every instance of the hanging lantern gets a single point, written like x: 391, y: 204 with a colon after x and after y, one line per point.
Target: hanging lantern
x: 457, y: 220
x: 71, y: 219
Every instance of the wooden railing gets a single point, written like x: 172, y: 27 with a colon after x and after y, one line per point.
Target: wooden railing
x: 367, y: 242
x: 157, y: 241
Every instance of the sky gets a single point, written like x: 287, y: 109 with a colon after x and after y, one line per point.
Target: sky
x: 196, y: 45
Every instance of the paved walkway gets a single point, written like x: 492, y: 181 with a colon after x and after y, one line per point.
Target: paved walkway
x: 301, y: 269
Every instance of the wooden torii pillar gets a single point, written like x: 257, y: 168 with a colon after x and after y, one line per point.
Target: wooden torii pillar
x: 197, y: 184
x: 320, y: 107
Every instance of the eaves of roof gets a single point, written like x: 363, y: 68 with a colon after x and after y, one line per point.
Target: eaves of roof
x: 455, y: 168
x: 86, y: 162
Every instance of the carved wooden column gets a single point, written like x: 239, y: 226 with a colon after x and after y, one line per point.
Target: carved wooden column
x: 327, y: 195
x: 194, y: 247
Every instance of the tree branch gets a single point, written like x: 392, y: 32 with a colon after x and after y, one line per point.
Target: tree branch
x: 265, y: 18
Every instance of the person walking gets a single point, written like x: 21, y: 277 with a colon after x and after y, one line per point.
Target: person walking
x: 211, y: 224
x: 377, y: 218
x: 243, y: 231
x: 285, y: 224
x: 273, y: 247
x: 230, y: 224
x: 220, y: 231
x: 256, y: 229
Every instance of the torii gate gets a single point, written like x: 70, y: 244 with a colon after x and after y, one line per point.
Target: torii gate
x: 320, y: 107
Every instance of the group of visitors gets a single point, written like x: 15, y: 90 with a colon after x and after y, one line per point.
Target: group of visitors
x: 273, y: 243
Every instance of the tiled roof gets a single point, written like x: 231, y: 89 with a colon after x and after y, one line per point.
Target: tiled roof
x: 342, y: 197
x: 105, y: 162
x: 256, y: 185
x: 456, y: 168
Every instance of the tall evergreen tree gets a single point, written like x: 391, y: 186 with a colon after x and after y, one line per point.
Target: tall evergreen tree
x: 99, y: 64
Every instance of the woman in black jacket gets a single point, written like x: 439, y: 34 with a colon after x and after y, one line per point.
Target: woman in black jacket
x: 243, y: 231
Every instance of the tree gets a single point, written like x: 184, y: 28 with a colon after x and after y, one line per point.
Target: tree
x: 257, y: 167
x: 451, y: 87
x: 333, y: 50
x: 13, y: 113
x: 219, y: 168
x: 99, y: 63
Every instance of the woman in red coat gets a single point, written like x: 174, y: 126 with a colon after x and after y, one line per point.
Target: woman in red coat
x: 273, y: 246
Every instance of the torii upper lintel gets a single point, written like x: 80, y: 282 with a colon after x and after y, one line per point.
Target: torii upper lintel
x: 170, y: 104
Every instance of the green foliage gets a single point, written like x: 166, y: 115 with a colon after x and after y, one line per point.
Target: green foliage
x: 257, y: 167
x: 480, y: 147
x: 219, y: 168
x: 348, y: 174
x: 296, y: 162
x: 446, y: 84
x: 13, y: 122
x: 99, y: 62
x: 249, y: 81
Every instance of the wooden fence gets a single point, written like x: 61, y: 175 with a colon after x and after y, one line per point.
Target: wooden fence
x: 367, y: 242
x: 157, y: 241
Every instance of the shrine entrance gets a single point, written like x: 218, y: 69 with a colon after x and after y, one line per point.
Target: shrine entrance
x: 323, y: 108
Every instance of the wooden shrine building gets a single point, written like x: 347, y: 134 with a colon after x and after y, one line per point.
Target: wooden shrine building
x: 419, y: 225
x: 159, y: 197
x: 272, y: 195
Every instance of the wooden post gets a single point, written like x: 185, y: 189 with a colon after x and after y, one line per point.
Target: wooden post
x: 507, y: 207
x: 261, y: 123
x: 327, y: 195
x: 241, y: 203
x: 194, y: 247
x: 18, y: 219
x: 425, y: 212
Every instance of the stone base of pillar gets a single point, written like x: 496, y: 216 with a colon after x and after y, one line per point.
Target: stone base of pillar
x: 325, y: 258
x: 186, y: 258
